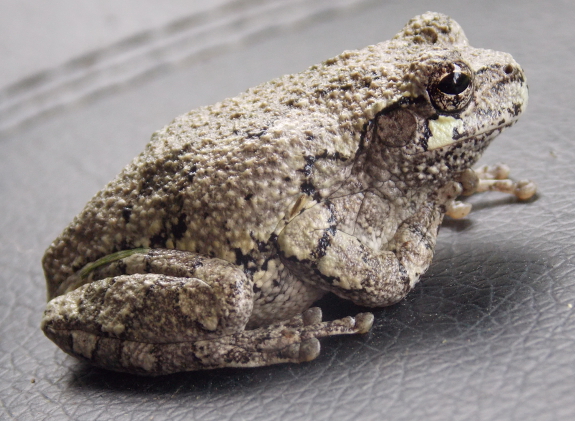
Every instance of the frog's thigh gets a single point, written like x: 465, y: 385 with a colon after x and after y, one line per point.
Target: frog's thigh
x: 147, y: 308
x: 154, y: 296
x: 143, y: 310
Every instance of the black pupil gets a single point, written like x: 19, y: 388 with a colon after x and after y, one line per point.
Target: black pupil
x: 454, y: 83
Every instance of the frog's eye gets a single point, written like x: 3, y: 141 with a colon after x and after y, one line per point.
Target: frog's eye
x: 450, y: 88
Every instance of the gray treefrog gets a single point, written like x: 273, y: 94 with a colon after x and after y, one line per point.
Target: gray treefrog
x: 210, y: 248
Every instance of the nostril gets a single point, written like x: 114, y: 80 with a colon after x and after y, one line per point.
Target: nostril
x: 508, y: 69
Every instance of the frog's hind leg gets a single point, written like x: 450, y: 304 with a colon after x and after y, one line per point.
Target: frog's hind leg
x: 157, y: 312
x: 489, y: 178
x: 144, y: 298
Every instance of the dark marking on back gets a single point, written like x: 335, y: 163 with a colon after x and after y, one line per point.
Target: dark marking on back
x: 180, y: 228
x: 192, y: 173
x: 307, y: 188
x: 127, y: 213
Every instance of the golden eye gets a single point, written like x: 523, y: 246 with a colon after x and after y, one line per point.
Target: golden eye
x: 451, y: 87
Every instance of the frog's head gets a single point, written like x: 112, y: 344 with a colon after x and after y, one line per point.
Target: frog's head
x: 453, y: 99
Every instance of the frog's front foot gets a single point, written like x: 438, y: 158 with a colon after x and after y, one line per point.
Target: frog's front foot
x: 489, y: 178
x: 496, y: 178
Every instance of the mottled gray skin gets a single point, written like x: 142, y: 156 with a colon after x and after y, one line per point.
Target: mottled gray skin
x: 238, y: 216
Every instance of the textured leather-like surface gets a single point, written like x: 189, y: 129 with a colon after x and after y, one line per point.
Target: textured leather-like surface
x: 489, y: 333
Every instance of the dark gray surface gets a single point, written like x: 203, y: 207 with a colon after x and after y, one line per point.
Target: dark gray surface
x: 489, y: 334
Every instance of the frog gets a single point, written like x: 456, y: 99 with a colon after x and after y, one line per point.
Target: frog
x: 211, y: 247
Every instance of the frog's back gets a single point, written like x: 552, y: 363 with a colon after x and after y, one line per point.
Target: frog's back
x: 220, y: 179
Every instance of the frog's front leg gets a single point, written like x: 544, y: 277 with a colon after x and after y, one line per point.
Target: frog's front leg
x: 313, y: 246
x: 489, y: 178
x: 163, y: 311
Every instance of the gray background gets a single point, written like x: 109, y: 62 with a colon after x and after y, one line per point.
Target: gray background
x: 487, y: 335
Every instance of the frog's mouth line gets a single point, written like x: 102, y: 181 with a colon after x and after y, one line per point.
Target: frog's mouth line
x: 485, y: 133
